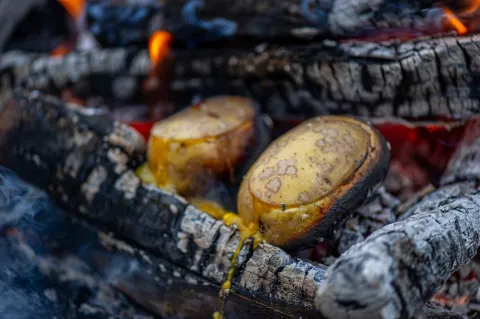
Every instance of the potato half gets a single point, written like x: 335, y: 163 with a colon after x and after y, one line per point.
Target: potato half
x: 190, y: 149
x: 309, y: 180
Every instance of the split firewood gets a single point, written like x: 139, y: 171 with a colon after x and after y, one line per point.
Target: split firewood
x: 86, y: 165
x: 400, y: 266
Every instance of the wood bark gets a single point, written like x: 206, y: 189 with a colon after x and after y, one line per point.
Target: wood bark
x: 86, y: 165
x: 422, y: 78
x: 400, y: 266
x: 85, y: 272
x: 290, y: 19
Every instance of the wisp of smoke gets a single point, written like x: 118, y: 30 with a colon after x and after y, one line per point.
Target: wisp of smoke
x: 18, y: 199
x: 21, y: 285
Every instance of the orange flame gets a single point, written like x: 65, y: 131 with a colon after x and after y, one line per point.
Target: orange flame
x: 159, y: 47
x: 73, y: 7
x: 473, y: 7
x: 454, y: 22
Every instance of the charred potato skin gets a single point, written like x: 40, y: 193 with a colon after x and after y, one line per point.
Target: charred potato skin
x: 339, y: 204
x: 349, y: 196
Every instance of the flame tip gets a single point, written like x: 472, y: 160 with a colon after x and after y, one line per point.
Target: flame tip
x: 159, y: 46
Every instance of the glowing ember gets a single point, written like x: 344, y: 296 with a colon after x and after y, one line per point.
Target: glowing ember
x: 473, y: 7
x: 60, y: 50
x: 450, y: 301
x: 73, y: 7
x: 159, y: 47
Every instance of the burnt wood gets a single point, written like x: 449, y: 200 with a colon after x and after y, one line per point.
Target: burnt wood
x: 80, y: 271
x: 399, y: 267
x: 85, y: 162
x: 199, y: 21
x: 422, y: 78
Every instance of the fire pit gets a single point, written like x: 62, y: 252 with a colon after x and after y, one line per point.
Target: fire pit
x: 322, y: 230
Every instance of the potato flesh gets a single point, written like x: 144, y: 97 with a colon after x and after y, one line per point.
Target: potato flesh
x: 191, y: 148
x: 288, y: 189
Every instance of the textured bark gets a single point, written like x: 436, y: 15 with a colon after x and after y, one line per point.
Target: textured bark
x: 76, y: 267
x: 278, y: 19
x: 84, y: 163
x: 433, y: 311
x: 400, y: 267
x: 421, y: 78
x: 404, y: 263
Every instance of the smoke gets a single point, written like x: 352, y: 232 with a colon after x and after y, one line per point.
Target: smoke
x: 52, y: 266
x: 21, y: 285
x: 19, y: 200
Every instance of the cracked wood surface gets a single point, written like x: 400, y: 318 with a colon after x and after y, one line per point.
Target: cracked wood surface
x: 421, y: 78
x: 85, y: 164
x: 399, y: 267
x: 85, y: 272
x: 101, y: 186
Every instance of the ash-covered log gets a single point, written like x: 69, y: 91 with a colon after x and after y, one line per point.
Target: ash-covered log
x: 400, y: 266
x: 42, y: 274
x: 421, y: 78
x: 77, y: 270
x: 86, y: 165
x: 199, y: 21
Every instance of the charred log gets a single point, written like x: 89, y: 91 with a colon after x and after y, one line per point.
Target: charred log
x: 86, y: 164
x: 404, y: 263
x: 197, y: 22
x: 423, y: 78
x: 84, y: 272
x: 433, y: 311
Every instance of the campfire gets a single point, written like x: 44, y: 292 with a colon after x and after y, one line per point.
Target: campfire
x: 197, y: 158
